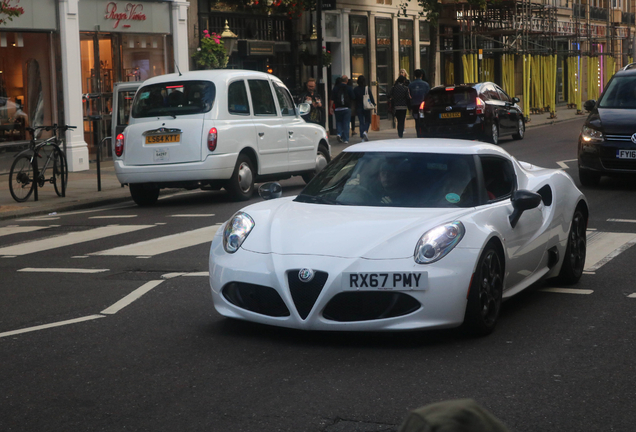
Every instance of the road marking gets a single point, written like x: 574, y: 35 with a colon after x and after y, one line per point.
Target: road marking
x: 46, y: 326
x: 113, y: 217
x: 162, y: 245
x: 80, y: 256
x: 603, y: 246
x: 622, y: 220
x: 136, y: 294
x: 632, y: 295
x: 36, y: 219
x: 193, y: 215
x: 62, y: 270
x: 69, y: 239
x: 195, y: 274
x: 567, y: 291
x: 14, y: 229
x: 563, y: 164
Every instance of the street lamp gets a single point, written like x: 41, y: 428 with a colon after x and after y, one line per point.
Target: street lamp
x: 229, y: 39
x: 312, y: 46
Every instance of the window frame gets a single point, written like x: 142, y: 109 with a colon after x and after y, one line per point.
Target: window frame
x: 249, y: 108
x: 271, y: 95
x: 280, y: 88
x: 508, y: 166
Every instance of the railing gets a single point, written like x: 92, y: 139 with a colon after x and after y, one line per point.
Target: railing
x: 598, y: 13
x: 628, y: 18
x: 578, y: 10
x: 257, y: 27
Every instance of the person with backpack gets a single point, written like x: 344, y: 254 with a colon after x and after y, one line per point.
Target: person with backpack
x: 342, y: 95
x: 364, y: 104
x: 418, y: 89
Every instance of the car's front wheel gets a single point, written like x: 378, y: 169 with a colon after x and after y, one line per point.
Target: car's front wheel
x: 521, y: 130
x: 241, y: 184
x: 589, y: 178
x: 322, y: 159
x: 485, y: 294
x: 576, y: 250
x: 144, y: 195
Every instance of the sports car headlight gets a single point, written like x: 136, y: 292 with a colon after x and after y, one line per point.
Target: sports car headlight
x: 435, y: 244
x: 588, y: 134
x: 236, y: 231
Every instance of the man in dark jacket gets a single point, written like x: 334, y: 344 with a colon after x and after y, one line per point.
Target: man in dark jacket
x: 342, y: 97
x: 311, y: 97
x: 418, y: 89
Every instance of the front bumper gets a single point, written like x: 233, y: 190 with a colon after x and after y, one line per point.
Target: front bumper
x: 441, y: 304
x: 602, y: 157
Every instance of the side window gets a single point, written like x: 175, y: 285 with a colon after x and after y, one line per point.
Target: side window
x: 502, y: 95
x: 492, y: 93
x: 237, y: 99
x: 499, y: 177
x: 262, y: 99
x: 284, y: 100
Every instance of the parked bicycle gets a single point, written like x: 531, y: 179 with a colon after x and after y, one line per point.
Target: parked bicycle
x: 25, y: 172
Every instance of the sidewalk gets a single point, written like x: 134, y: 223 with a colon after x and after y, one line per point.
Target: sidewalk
x: 82, y: 186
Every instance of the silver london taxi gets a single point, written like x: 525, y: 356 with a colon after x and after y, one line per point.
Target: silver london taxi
x: 213, y: 129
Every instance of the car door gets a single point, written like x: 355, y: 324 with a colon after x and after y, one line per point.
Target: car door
x: 271, y: 131
x: 524, y: 244
x: 123, y: 95
x: 301, y: 136
x: 508, y: 114
x: 497, y: 108
x: 236, y: 130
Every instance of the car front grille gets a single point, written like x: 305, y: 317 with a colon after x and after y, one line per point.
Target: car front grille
x: 369, y: 305
x: 256, y: 298
x: 618, y: 138
x: 627, y: 165
x: 305, y: 294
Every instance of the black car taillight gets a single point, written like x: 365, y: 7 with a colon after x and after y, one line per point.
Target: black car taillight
x: 422, y: 106
x: 212, y: 137
x: 480, y: 105
x: 119, y: 145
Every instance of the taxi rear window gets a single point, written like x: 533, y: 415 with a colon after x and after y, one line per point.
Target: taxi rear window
x: 174, y: 99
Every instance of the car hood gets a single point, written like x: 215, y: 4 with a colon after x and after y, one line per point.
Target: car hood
x: 283, y: 226
x: 614, y: 121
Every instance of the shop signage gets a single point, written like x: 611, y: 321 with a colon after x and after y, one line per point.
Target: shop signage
x: 38, y: 15
x: 261, y: 48
x: 383, y: 41
x: 130, y: 13
x: 358, y: 40
x: 406, y: 42
x: 328, y: 4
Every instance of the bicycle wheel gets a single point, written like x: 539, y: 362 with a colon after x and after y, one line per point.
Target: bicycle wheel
x: 60, y: 168
x: 21, y: 178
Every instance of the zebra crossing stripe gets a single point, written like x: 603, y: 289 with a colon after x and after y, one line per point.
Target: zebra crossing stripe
x: 69, y: 239
x: 162, y: 245
x: 603, y: 246
x: 4, y: 231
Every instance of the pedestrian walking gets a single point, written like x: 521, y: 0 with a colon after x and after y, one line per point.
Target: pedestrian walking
x: 400, y: 102
x: 365, y: 103
x: 342, y: 97
x: 353, y: 112
x: 405, y: 74
x: 418, y: 89
x: 311, y: 97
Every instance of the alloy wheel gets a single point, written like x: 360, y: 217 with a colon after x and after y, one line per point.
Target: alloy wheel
x: 490, y: 288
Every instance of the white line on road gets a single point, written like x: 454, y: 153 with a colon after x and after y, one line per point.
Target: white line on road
x: 622, y: 220
x: 632, y: 295
x: 136, y: 294
x: 603, y: 246
x: 70, y: 239
x: 567, y: 290
x: 113, y: 217
x: 20, y: 229
x: 563, y: 164
x: 195, y: 274
x: 193, y: 215
x: 46, y: 326
x: 37, y: 219
x: 62, y: 270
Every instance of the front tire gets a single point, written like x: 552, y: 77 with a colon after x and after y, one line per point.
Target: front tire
x: 576, y: 250
x: 144, y: 195
x: 241, y: 184
x: 322, y: 159
x: 589, y: 178
x: 21, y: 178
x: 521, y: 130
x: 486, y: 294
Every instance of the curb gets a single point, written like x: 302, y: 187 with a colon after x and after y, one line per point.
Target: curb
x: 554, y: 121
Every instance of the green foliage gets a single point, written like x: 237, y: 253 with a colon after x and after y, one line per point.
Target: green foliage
x: 7, y: 12
x: 211, y: 52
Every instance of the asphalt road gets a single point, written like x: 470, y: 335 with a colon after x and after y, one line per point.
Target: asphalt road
x: 136, y: 345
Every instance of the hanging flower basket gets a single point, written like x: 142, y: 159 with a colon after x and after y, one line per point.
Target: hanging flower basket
x: 312, y: 60
x: 211, y: 52
x: 8, y: 12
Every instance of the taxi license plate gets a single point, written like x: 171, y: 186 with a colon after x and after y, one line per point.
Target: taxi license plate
x: 450, y: 115
x: 161, y: 139
x: 385, y: 281
x: 626, y: 154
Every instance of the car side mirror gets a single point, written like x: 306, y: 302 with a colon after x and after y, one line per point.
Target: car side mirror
x: 516, y: 99
x: 522, y: 200
x: 304, y: 108
x: 271, y: 190
x: 589, y: 105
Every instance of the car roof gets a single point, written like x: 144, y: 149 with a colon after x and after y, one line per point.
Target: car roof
x: 430, y: 145
x: 216, y: 75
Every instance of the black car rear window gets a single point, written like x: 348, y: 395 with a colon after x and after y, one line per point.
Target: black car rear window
x: 174, y: 99
x: 620, y: 93
x: 451, y: 97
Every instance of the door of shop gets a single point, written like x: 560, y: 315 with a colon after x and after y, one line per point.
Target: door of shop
x: 98, y: 76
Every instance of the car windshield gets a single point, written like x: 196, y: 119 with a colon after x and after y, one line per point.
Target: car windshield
x: 174, y: 99
x: 620, y: 93
x: 451, y: 97
x: 395, y: 179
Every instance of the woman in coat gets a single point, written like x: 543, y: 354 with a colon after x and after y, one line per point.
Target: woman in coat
x: 364, y: 115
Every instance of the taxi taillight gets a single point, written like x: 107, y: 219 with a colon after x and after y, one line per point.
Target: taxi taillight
x: 119, y: 145
x: 212, y: 137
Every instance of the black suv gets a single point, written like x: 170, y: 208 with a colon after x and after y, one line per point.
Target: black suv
x: 480, y: 111
x: 607, y: 143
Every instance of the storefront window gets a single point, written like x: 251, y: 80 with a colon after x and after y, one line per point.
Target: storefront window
x: 143, y: 57
x: 25, y: 84
x: 384, y: 63
x: 405, y: 35
x: 359, y: 30
x: 331, y: 26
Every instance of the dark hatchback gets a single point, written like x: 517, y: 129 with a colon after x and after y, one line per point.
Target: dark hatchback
x: 607, y: 143
x: 480, y: 111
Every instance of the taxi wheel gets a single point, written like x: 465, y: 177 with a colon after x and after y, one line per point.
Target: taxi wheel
x: 322, y: 159
x: 575, y: 252
x: 241, y: 184
x: 144, y: 195
x: 485, y: 294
